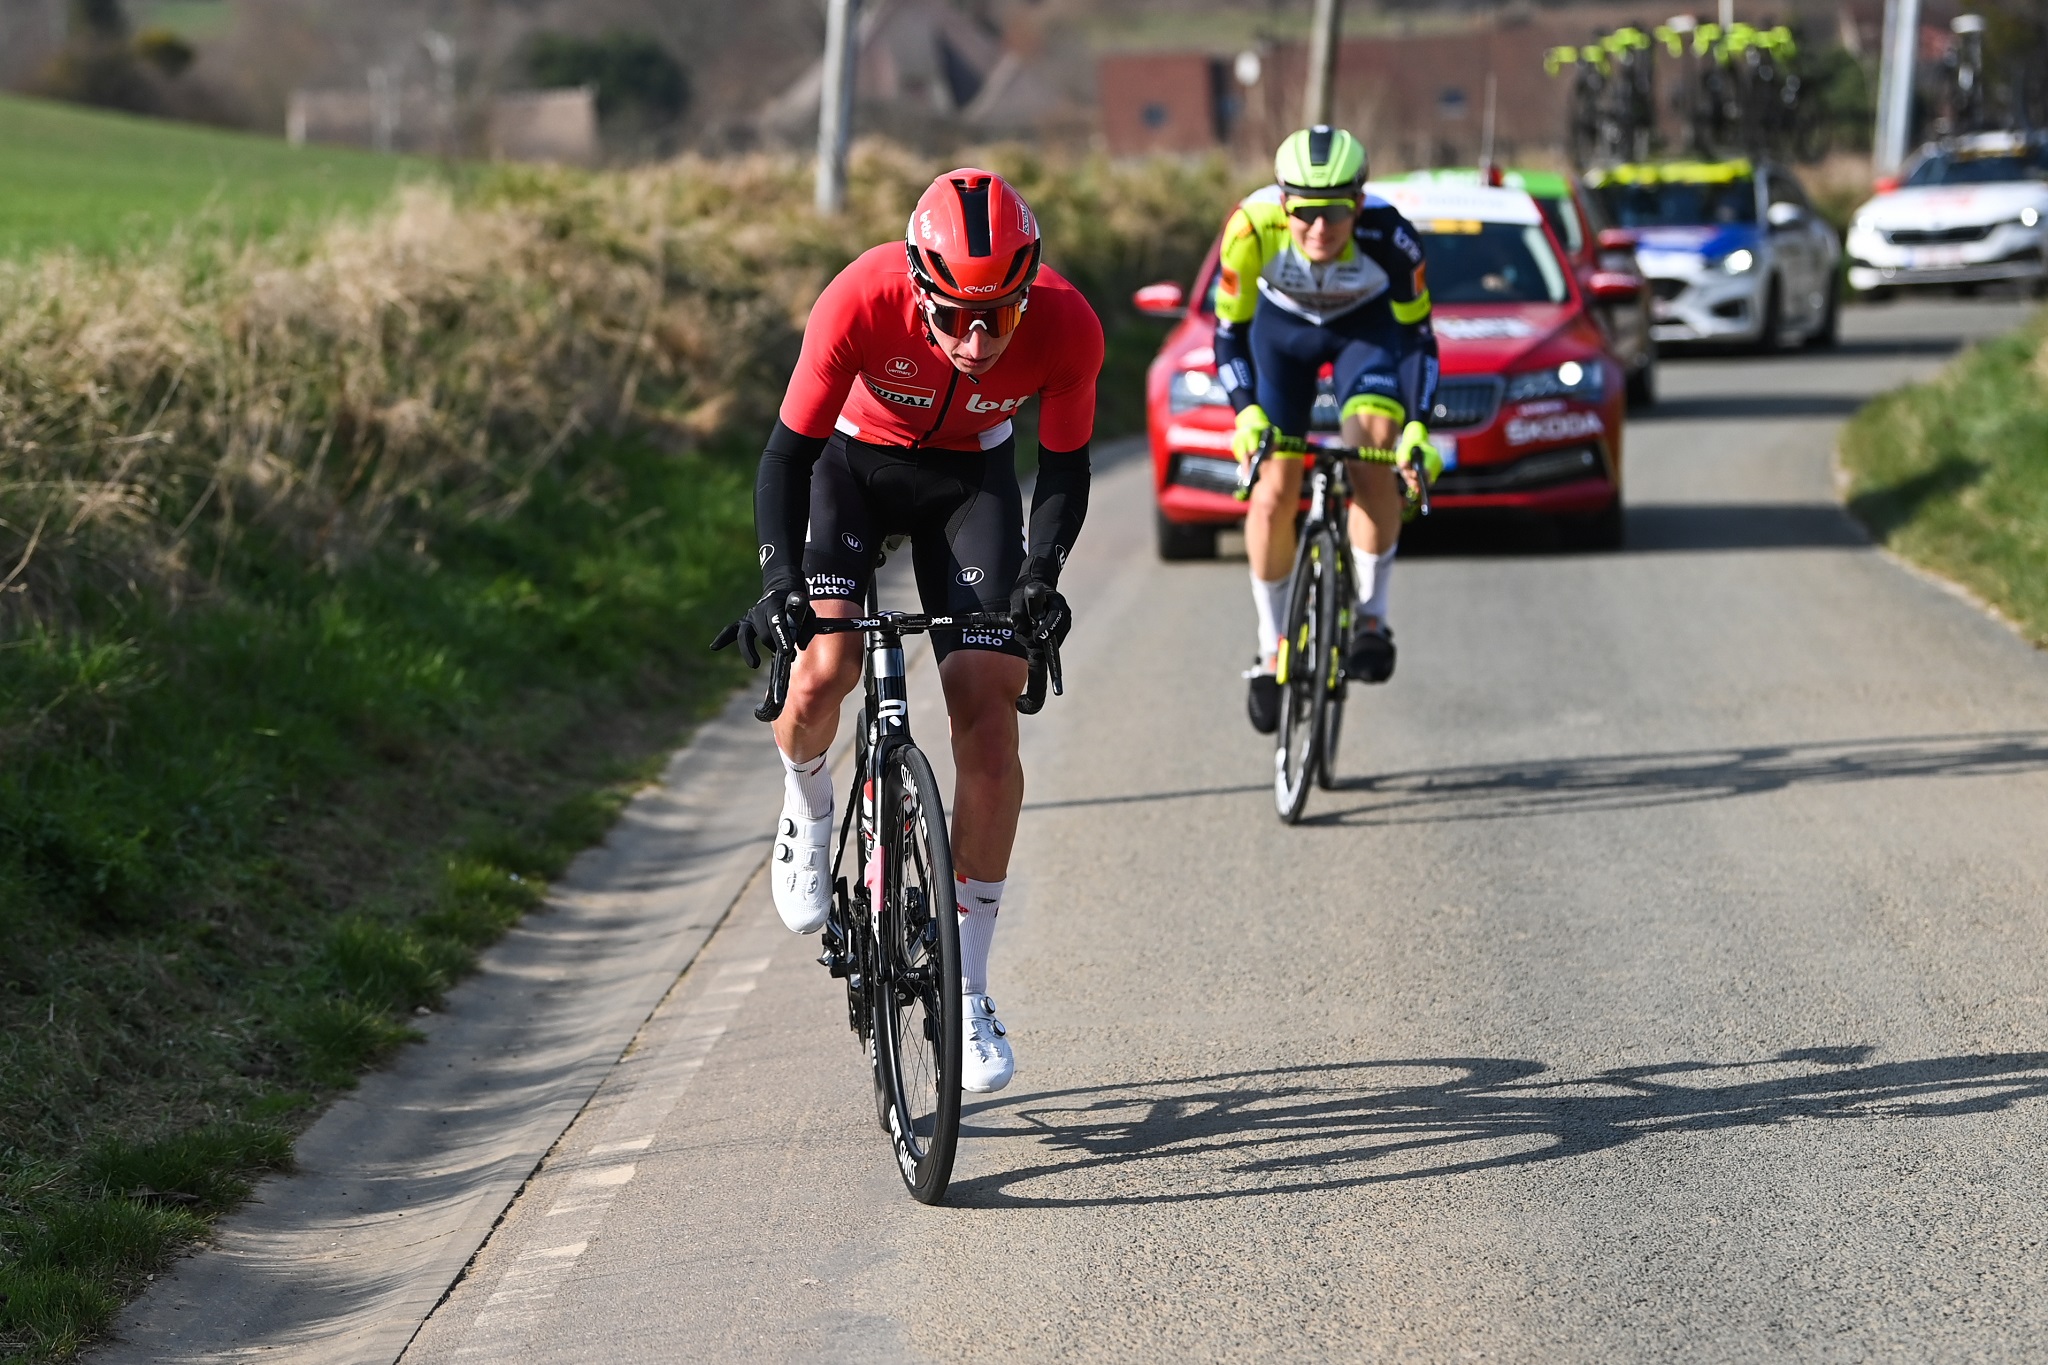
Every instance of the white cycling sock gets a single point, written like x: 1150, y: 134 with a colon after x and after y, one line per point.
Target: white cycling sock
x: 1271, y: 601
x: 809, y: 785
x: 1374, y: 574
x: 978, y: 902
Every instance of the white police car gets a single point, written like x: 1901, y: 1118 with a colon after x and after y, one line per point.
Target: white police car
x: 1733, y: 250
x: 1968, y: 212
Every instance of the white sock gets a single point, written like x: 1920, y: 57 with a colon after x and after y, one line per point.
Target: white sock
x: 979, y: 902
x: 1375, y: 572
x: 809, y: 785
x: 1271, y: 601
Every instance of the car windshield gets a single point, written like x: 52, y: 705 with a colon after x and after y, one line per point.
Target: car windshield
x: 1680, y: 205
x: 1945, y: 169
x: 1473, y: 262
x: 1564, y: 221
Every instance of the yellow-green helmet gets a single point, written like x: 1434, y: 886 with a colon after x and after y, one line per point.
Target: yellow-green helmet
x: 1320, y: 161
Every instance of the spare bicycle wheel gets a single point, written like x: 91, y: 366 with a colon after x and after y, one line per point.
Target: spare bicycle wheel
x: 916, y: 991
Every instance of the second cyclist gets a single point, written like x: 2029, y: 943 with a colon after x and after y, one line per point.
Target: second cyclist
x: 1314, y: 271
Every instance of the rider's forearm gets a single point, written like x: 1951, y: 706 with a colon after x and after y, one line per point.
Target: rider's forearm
x: 782, y: 505
x: 1420, y: 375
x: 1059, y: 504
x: 1234, y: 363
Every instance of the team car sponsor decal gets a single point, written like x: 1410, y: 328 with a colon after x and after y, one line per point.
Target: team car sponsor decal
x: 1482, y: 329
x: 905, y: 395
x: 1556, y: 426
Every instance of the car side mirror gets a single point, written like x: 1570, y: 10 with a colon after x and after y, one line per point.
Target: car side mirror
x: 1785, y: 215
x: 1614, y: 286
x: 1163, y: 300
x: 1616, y: 239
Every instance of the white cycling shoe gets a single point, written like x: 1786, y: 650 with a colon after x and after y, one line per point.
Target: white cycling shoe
x: 799, y: 870
x: 986, y: 1063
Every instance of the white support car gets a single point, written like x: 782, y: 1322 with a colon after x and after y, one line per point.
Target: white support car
x: 1734, y: 251
x: 1968, y: 212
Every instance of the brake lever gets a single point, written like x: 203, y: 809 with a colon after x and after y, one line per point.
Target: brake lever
x: 778, y: 685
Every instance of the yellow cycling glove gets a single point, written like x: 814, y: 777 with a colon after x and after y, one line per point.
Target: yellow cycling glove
x: 1251, y: 425
x: 1414, y: 442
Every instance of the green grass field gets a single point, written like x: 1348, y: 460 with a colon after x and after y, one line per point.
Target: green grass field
x: 103, y: 182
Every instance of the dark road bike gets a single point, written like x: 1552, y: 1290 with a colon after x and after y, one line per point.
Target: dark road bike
x: 893, y: 934
x: 1310, y: 666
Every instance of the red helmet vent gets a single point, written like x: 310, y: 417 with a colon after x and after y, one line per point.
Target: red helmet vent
x: 972, y: 239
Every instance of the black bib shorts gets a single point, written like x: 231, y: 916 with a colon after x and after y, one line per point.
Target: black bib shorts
x: 962, y: 510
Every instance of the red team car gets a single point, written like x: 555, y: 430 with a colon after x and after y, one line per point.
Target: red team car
x: 1529, y: 411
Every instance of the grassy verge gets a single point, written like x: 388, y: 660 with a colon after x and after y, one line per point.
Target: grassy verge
x: 103, y: 182
x: 1953, y: 473
x: 247, y: 843
x: 349, y: 581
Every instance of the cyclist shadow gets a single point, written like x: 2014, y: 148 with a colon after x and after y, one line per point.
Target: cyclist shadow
x: 1609, y: 782
x: 1294, y: 1130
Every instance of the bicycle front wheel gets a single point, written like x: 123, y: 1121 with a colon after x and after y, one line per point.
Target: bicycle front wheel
x: 1299, y: 672
x: 916, y: 997
x: 1337, y: 606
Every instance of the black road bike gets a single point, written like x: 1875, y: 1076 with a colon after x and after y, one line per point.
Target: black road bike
x: 1310, y: 667
x: 893, y: 934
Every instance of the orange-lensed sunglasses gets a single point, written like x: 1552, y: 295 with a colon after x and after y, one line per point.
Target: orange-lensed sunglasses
x: 998, y: 320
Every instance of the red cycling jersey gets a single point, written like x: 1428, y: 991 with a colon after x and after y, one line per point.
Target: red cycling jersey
x: 866, y: 325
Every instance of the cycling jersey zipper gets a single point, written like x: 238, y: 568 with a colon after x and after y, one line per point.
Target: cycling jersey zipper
x: 944, y: 404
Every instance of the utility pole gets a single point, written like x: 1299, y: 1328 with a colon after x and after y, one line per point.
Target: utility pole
x: 1322, y: 62
x: 835, y: 104
x: 1895, y: 85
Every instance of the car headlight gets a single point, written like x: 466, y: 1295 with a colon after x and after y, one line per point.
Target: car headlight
x: 1197, y: 389
x: 2029, y: 216
x: 1739, y: 261
x: 1573, y: 379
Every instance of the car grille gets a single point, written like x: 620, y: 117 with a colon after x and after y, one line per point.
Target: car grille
x: 1667, y: 290
x: 1938, y: 236
x: 1465, y: 403
x: 1531, y: 471
x: 1205, y: 472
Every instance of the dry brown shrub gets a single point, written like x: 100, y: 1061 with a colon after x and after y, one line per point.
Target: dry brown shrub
x: 366, y: 383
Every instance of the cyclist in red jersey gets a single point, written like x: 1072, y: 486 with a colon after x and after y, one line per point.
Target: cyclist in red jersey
x: 898, y: 421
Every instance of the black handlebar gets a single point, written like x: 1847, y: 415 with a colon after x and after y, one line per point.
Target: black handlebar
x: 1041, y: 652
x: 1270, y: 439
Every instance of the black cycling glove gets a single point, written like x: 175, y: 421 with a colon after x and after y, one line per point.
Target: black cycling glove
x: 1036, y: 607
x: 781, y: 620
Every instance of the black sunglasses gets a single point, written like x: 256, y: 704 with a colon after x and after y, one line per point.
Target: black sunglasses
x: 1309, y: 213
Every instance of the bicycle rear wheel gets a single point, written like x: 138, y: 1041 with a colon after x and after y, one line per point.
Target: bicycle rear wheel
x: 1337, y: 607
x: 1300, y: 675
x: 916, y: 996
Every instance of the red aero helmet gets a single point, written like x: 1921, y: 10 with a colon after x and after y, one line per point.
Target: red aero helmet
x: 972, y: 239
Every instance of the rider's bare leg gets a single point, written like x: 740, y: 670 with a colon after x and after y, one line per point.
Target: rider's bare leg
x: 1376, y: 501
x: 824, y: 673
x: 1269, y: 521
x: 988, y: 786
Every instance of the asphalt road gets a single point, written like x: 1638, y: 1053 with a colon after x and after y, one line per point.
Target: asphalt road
x: 1671, y: 984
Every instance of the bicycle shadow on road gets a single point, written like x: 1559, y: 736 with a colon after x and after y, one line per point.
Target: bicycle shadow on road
x: 1613, y: 782
x: 1306, y: 1129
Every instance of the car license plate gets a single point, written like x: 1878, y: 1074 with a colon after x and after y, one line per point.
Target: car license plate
x: 1936, y: 257
x: 1446, y: 446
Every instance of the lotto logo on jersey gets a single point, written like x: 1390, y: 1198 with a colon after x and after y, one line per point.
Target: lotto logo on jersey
x: 903, y: 395
x: 976, y: 403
